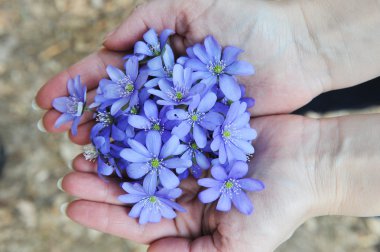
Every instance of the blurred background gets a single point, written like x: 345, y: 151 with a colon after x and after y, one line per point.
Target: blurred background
x: 39, y: 38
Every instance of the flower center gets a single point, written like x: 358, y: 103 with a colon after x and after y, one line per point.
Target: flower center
x: 156, y: 126
x: 90, y: 153
x: 226, y: 134
x: 74, y: 106
x: 194, y: 117
x: 194, y: 146
x: 229, y: 185
x: 155, y: 163
x: 152, y: 199
x: 217, y: 67
x: 134, y: 110
x: 104, y: 118
x: 229, y: 102
x: 129, y: 88
x: 179, y: 95
x: 155, y: 49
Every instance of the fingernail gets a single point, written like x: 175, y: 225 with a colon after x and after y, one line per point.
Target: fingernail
x: 59, y: 184
x: 40, y: 126
x: 35, y: 106
x: 63, y: 208
x: 70, y: 164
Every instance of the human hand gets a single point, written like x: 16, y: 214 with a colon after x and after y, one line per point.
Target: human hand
x: 288, y: 200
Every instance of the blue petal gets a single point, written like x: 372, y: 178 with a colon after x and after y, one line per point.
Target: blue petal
x: 182, y: 129
x: 177, y: 114
x: 64, y: 118
x: 168, y: 57
x: 155, y: 63
x: 216, y: 142
x: 151, y: 37
x: 213, y: 49
x: 197, y: 65
x: 229, y: 87
x: 133, y: 156
x: 164, y: 37
x: 117, y: 134
x: 199, y: 135
x: 60, y: 104
x: 242, y: 203
x: 167, y: 212
x: 137, y: 170
x: 138, y: 147
x: 245, y: 146
x: 232, y: 113
x: 105, y: 169
x: 210, y: 182
x: 173, y: 204
x: 178, y: 75
x: 144, y: 215
x: 141, y: 80
x: 239, y: 169
x: 207, y: 102
x: 202, y: 160
x: 168, y: 179
x: 212, y: 120
x: 117, y: 106
x: 135, y: 188
x: 177, y: 163
x: 130, y: 198
x: 74, y: 126
x: 155, y: 215
x: 252, y: 185
x: 200, y: 51
x: 158, y: 93
x: 165, y: 86
x: 169, y: 147
x: 153, y: 142
x: 150, y: 183
x: 136, y: 209
x: 222, y: 154
x: 219, y: 173
x: 209, y: 195
x: 114, y: 73
x: 142, y: 48
x: 169, y: 193
x: 240, y: 68
x: 150, y: 109
x: 132, y: 68
x: 71, y: 87
x: 230, y: 54
x: 152, y: 83
x: 241, y: 121
x: 139, y: 122
x: 224, y: 203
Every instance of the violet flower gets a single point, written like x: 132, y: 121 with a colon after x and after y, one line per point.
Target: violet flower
x: 233, y: 138
x: 195, y: 154
x: 121, y: 92
x: 154, y: 161
x: 197, y: 118
x: 161, y: 67
x: 230, y: 188
x: 180, y: 91
x: 151, y: 206
x: 71, y: 106
x: 213, y: 64
x: 152, y: 45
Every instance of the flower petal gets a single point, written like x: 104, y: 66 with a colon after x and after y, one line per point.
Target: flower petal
x: 182, y: 129
x: 178, y: 75
x: 155, y: 63
x: 240, y: 68
x: 242, y: 203
x: 115, y: 73
x: 213, y: 49
x: 151, y: 37
x: 60, y: 104
x: 142, y: 48
x: 139, y: 147
x: 207, y: 102
x: 177, y: 114
x: 167, y: 212
x: 230, y: 54
x: 212, y: 120
x: 64, y: 118
x: 168, y: 179
x: 252, y: 185
x: 196, y: 65
x: 177, y: 163
x: 229, y: 87
x: 202, y: 160
x: 199, y: 136
x: 216, y: 142
x: 150, y: 183
x: 133, y: 156
x: 137, y: 170
x: 210, y: 182
x: 200, y: 51
x: 145, y: 215
x: 219, y: 173
x: 209, y: 195
x: 224, y: 203
x: 135, y: 188
x: 244, y: 145
x: 130, y: 198
x: 132, y: 68
x: 169, y: 147
x: 136, y: 210
x: 150, y: 109
x: 153, y: 142
x: 117, y: 106
x: 139, y: 122
x: 164, y: 36
x: 239, y: 169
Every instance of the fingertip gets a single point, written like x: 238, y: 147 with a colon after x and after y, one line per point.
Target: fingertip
x: 82, y: 165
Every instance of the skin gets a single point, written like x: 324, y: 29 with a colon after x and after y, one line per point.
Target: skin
x: 300, y: 49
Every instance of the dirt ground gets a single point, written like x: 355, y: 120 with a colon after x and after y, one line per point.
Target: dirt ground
x: 39, y: 38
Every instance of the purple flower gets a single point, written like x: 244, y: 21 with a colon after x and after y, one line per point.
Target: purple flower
x: 151, y: 206
x: 180, y: 91
x: 233, y: 138
x: 197, y: 118
x: 121, y: 92
x: 212, y: 65
x: 154, y: 161
x: 71, y: 106
x: 230, y: 187
x: 153, y: 45
x: 194, y: 153
x: 161, y: 68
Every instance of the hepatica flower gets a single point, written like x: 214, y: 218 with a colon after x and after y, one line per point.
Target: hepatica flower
x: 72, y: 106
x: 154, y: 160
x: 151, y: 206
x: 230, y: 188
x: 162, y: 118
x: 216, y: 65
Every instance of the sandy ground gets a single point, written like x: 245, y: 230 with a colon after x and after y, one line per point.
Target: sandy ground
x: 39, y: 38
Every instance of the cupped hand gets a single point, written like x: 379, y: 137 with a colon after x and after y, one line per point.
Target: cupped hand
x: 288, y: 200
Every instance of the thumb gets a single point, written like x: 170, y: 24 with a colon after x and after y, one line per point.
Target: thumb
x: 159, y: 15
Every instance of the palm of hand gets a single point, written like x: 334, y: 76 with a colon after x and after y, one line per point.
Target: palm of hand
x: 278, y: 163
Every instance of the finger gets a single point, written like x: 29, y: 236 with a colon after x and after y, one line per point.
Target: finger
x: 114, y: 220
x: 150, y: 15
x: 91, y: 69
x: 80, y: 164
x: 51, y: 116
x: 83, y: 135
x: 89, y: 186
x: 203, y: 243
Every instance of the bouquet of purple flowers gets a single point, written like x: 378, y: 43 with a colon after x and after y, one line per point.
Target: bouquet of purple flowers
x: 162, y: 119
